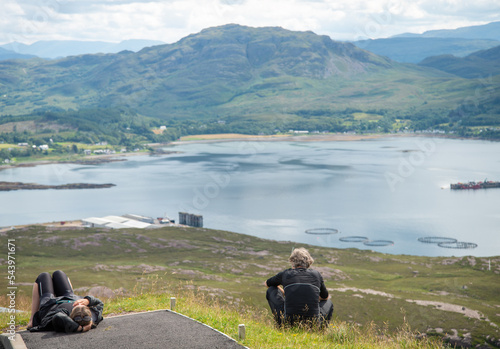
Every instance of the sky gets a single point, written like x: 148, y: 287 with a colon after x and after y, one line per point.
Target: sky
x: 28, y: 21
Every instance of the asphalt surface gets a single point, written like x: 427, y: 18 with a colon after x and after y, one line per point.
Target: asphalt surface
x: 151, y: 330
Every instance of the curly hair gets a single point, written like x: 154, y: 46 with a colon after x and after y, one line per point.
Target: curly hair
x: 300, y: 257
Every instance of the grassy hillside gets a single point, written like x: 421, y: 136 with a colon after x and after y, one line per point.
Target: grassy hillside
x: 437, y: 296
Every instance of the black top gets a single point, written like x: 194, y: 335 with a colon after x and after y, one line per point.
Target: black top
x: 303, y: 288
x: 54, y: 314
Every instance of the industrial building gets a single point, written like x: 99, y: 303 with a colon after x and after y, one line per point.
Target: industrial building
x: 192, y: 220
x: 141, y: 222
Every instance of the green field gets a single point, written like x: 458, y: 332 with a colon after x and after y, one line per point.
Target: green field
x: 7, y: 146
x: 389, y: 290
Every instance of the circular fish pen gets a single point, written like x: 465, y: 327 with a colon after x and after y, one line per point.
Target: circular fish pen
x: 378, y: 243
x: 322, y: 231
x: 353, y: 239
x: 458, y: 245
x: 437, y: 240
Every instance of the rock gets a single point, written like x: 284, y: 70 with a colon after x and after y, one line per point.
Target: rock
x: 101, y: 292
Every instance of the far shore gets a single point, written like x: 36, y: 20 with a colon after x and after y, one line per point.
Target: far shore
x: 311, y: 137
x: 231, y: 137
x: 88, y: 160
x: 222, y: 137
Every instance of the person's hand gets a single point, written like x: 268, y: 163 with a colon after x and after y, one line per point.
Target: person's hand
x: 83, y: 301
x: 281, y: 290
x: 87, y: 327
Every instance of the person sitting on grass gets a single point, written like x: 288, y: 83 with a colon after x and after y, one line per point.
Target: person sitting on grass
x: 55, y: 307
x: 298, y: 294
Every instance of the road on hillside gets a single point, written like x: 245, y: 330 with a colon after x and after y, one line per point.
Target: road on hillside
x: 156, y: 329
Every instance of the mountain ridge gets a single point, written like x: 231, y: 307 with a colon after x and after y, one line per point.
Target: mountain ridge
x: 476, y: 65
x: 416, y: 49
x: 234, y: 71
x: 485, y: 31
x: 54, y: 49
x: 413, y: 48
x: 7, y: 54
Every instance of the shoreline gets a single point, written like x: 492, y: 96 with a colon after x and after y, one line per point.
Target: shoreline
x: 10, y: 186
x: 89, y: 160
x: 333, y: 137
x: 63, y: 225
x: 225, y: 137
x: 330, y: 137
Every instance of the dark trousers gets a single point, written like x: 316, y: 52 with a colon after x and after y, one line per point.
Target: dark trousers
x: 53, y: 286
x: 277, y: 304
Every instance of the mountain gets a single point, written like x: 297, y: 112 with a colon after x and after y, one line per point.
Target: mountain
x: 233, y: 71
x: 7, y: 54
x: 489, y: 31
x: 413, y: 48
x: 416, y: 49
x: 477, y: 65
x: 64, y: 48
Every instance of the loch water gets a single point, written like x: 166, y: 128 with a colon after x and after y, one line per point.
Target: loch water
x: 392, y: 189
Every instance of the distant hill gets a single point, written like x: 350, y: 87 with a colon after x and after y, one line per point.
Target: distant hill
x: 489, y: 31
x: 479, y: 64
x: 235, y: 72
x: 7, y: 54
x: 65, y: 48
x: 415, y: 49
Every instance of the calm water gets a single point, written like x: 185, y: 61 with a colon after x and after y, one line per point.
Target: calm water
x: 385, y: 189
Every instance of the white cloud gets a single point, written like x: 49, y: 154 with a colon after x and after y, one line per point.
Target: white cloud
x: 170, y: 20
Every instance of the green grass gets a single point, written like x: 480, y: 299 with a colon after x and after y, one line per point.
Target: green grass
x: 261, y: 332
x: 366, y: 116
x: 210, y: 271
x: 7, y: 146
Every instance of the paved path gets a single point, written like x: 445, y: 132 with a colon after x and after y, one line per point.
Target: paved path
x: 160, y: 329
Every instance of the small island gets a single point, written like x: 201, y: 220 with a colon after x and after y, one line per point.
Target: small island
x: 7, y: 186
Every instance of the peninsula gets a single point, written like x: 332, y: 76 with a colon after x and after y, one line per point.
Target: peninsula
x: 7, y: 186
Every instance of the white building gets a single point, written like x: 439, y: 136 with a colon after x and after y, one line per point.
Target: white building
x: 115, y: 222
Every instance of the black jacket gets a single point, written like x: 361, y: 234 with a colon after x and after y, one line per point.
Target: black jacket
x: 54, y: 314
x: 303, y: 288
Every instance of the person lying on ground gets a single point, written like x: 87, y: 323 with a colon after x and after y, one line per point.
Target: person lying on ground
x: 298, y: 294
x: 55, y: 307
